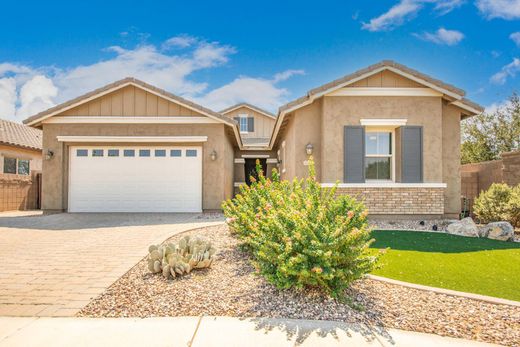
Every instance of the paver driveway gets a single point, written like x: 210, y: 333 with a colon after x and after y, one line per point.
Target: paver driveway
x: 54, y: 265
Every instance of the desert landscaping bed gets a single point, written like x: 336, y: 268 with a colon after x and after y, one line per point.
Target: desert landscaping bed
x: 231, y: 288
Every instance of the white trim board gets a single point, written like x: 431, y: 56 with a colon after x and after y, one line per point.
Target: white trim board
x: 129, y: 139
x: 383, y: 122
x: 129, y: 120
x: 377, y: 91
x: 240, y: 161
x: 385, y: 185
x: 254, y: 156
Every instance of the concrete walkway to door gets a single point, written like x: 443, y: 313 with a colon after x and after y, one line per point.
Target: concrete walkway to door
x: 53, y: 265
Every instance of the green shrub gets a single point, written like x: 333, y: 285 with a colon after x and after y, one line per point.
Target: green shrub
x: 513, y: 207
x: 499, y: 203
x: 300, y: 234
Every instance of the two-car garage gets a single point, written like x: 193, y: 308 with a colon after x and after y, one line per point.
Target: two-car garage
x: 135, y: 179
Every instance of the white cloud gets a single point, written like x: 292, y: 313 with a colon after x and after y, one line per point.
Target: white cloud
x: 442, y: 37
x: 26, y: 90
x: 263, y: 93
x: 516, y: 38
x: 285, y: 75
x: 36, y: 94
x: 397, y: 15
x: 505, y: 9
x: 497, y: 106
x: 446, y: 6
x: 180, y: 41
x: 406, y: 10
x: 7, y: 97
x: 509, y: 70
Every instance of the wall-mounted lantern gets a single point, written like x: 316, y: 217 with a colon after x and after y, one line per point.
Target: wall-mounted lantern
x: 213, y: 155
x: 309, y: 148
x: 49, y: 155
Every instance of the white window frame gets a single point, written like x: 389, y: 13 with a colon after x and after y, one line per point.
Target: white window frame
x: 382, y: 129
x: 242, y: 117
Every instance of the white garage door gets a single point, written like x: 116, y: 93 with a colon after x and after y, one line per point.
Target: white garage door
x: 135, y: 179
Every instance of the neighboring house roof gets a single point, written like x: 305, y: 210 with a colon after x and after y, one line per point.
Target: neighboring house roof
x: 19, y: 135
x: 456, y: 95
x: 252, y: 107
x: 36, y: 119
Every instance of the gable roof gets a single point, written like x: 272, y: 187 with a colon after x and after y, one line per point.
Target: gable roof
x: 16, y: 134
x: 249, y: 106
x: 38, y: 118
x: 456, y: 95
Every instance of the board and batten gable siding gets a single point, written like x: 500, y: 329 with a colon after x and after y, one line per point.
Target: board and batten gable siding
x: 263, y: 125
x: 130, y: 101
x: 386, y: 79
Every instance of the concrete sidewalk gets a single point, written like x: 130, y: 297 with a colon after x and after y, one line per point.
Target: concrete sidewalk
x: 206, y: 331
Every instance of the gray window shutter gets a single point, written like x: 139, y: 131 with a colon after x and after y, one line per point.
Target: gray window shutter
x: 411, y: 154
x: 354, y: 154
x: 250, y: 124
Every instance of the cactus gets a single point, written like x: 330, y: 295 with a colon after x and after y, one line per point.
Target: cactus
x: 179, y: 259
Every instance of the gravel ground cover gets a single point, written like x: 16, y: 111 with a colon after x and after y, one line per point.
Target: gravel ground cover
x: 231, y: 288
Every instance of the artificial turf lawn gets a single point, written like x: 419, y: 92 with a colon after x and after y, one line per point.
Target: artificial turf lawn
x: 466, y: 264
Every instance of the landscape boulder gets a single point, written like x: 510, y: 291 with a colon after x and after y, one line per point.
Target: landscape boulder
x: 502, y: 231
x: 464, y: 227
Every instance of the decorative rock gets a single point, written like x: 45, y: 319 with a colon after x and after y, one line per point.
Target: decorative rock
x: 464, y: 227
x: 502, y: 231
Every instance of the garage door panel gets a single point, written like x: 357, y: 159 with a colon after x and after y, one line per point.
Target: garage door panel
x: 135, y: 184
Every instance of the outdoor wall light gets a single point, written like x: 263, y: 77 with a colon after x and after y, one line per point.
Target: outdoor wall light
x: 49, y: 155
x: 213, y: 155
x: 309, y: 148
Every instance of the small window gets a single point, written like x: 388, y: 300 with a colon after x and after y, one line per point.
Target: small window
x: 144, y: 152
x: 160, y: 153
x: 175, y: 153
x: 129, y: 153
x: 97, y: 152
x: 191, y: 152
x: 378, y: 155
x: 243, y: 123
x: 82, y: 153
x: 113, y: 152
x: 10, y: 165
x: 23, y: 167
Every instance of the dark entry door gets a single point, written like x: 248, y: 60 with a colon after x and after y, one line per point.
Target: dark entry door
x: 250, y: 168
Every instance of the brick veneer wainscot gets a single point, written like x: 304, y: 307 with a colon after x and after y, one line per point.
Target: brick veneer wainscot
x: 392, y: 200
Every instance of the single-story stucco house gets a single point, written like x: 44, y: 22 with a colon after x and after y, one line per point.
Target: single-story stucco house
x: 388, y: 134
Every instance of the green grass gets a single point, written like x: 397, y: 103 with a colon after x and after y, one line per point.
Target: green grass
x: 473, y: 265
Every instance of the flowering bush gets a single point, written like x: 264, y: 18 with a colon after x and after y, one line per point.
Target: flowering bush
x: 499, y: 203
x: 300, y: 234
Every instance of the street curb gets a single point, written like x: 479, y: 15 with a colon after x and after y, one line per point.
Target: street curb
x: 484, y: 298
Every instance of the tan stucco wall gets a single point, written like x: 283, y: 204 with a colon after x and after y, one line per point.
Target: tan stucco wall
x: 263, y: 124
x: 217, y: 175
x: 304, y: 126
x: 341, y: 111
x: 35, y: 157
x: 451, y: 158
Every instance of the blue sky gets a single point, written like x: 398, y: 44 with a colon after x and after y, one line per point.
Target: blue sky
x: 267, y: 53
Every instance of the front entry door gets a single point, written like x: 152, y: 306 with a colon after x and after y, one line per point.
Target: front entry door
x: 250, y: 168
